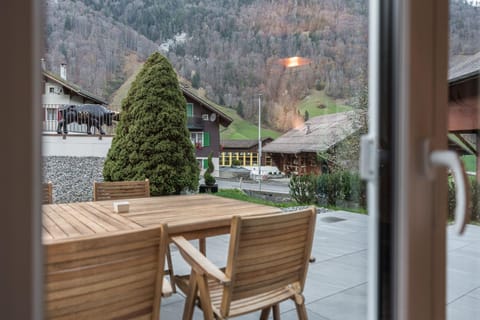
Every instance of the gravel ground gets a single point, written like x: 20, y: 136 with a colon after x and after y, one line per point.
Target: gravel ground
x: 72, y: 177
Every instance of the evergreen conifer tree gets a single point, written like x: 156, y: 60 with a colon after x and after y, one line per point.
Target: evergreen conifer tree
x: 196, y: 80
x: 152, y: 140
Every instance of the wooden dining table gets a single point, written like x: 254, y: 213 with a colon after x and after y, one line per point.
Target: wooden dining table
x: 193, y: 216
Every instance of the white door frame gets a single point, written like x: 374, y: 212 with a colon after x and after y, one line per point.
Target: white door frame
x: 420, y: 202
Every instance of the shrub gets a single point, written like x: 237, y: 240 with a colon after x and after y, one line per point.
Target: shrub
x: 236, y: 163
x: 152, y: 140
x: 303, y: 189
x: 207, y: 176
x: 474, y: 200
x: 451, y: 199
x: 341, y: 185
x: 328, y: 188
x: 475, y: 197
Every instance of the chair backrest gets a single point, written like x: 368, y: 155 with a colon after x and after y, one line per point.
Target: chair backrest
x: 47, y: 196
x: 267, y: 253
x: 116, y: 276
x: 121, y: 190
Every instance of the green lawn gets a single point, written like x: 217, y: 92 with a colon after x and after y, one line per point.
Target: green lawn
x: 313, y: 102
x: 240, y: 195
x: 470, y: 162
x: 241, y: 129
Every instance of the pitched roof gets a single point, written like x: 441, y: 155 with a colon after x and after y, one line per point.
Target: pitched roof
x: 465, y: 68
x: 242, y: 144
x: 188, y: 91
x: 73, y: 87
x: 317, y: 134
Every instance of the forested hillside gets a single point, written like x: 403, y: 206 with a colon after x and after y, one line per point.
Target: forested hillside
x: 231, y: 48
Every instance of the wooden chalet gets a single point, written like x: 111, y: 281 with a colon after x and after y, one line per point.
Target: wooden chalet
x: 296, y: 151
x: 57, y: 91
x: 203, y: 122
x: 463, y: 106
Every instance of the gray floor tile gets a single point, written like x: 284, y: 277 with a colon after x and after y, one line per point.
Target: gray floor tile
x: 465, y: 308
x: 336, y: 283
x: 350, y: 304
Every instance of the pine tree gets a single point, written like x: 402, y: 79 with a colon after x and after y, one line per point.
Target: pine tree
x: 152, y: 140
x: 240, y: 109
x: 196, y: 80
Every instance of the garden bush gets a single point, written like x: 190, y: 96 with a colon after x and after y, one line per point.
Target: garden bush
x: 303, y: 189
x: 207, y: 176
x: 341, y: 186
x: 474, y: 200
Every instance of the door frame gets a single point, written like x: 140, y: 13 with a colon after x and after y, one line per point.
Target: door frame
x: 420, y: 218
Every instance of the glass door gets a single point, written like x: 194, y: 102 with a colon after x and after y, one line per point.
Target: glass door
x: 414, y: 111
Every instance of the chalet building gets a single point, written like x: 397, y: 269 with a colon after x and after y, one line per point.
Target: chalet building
x: 203, y: 118
x: 463, y: 107
x: 203, y: 122
x: 243, y: 151
x: 296, y: 151
x: 57, y: 91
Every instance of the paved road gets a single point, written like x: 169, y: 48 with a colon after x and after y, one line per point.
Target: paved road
x: 277, y: 186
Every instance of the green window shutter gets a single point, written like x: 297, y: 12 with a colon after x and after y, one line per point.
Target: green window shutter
x: 189, y: 109
x: 206, y: 139
x: 205, y: 163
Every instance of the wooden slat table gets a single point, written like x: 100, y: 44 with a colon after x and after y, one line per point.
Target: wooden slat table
x: 193, y: 216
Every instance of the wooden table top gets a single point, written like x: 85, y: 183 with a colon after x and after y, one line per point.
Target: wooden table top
x: 193, y: 216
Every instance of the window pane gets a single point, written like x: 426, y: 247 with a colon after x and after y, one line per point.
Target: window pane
x: 290, y: 74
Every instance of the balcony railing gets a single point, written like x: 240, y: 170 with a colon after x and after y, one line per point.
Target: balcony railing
x: 52, y: 116
x: 195, y: 123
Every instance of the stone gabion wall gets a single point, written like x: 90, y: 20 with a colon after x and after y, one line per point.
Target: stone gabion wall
x: 72, y: 177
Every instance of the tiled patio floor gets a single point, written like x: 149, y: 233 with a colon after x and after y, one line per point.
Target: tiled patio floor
x: 336, y: 286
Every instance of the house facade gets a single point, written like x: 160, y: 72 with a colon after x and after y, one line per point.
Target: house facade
x: 203, y: 118
x: 295, y: 152
x: 244, y: 152
x: 203, y: 122
x: 463, y: 103
x: 57, y: 91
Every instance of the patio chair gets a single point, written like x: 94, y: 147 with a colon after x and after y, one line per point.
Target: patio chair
x: 120, y: 190
x: 267, y: 264
x: 114, y: 276
x: 117, y: 190
x: 47, y: 197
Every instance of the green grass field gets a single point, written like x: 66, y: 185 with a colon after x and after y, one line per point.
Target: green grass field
x: 470, y: 162
x: 315, y: 99
x: 242, y: 129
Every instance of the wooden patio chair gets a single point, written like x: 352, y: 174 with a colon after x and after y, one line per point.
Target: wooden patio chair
x: 117, y: 190
x: 115, y: 276
x: 120, y: 190
x: 267, y: 264
x: 47, y: 194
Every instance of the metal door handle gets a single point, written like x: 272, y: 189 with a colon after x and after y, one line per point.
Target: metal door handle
x: 450, y: 160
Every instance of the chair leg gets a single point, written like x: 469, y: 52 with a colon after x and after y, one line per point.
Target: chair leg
x: 204, y: 292
x: 170, y: 270
x: 191, y: 296
x: 264, y: 314
x: 301, y: 311
x: 276, y: 312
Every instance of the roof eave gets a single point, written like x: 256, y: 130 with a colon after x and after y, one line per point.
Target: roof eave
x: 224, y: 119
x: 464, y: 77
x: 74, y: 88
